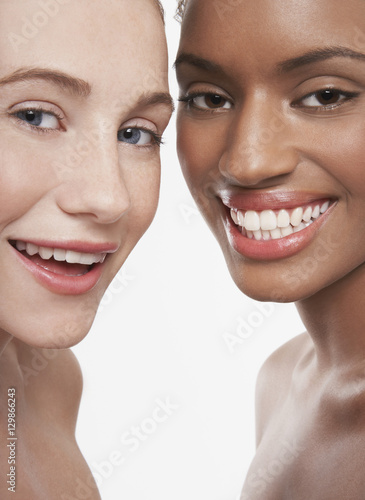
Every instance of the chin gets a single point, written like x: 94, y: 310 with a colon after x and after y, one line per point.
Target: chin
x: 54, y: 331
x: 260, y: 283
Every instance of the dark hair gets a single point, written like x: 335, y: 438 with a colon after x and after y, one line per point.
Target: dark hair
x: 180, y: 9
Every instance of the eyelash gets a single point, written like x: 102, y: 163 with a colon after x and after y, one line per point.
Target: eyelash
x: 37, y: 129
x: 189, y: 101
x: 348, y: 96
x: 155, y: 141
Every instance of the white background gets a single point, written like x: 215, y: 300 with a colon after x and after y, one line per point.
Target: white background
x: 162, y: 332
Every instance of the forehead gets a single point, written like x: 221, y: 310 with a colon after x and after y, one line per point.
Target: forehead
x: 268, y: 29
x: 117, y: 41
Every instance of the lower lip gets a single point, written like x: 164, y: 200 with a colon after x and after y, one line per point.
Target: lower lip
x: 59, y: 283
x: 272, y: 249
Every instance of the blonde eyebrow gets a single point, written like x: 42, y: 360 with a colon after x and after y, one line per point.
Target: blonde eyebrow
x: 78, y: 86
x: 157, y: 98
x: 67, y: 82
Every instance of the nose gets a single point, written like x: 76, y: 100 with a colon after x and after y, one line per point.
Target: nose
x: 259, y: 146
x: 92, y: 182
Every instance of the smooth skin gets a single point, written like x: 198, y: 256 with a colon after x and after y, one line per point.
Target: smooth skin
x: 254, y: 121
x: 82, y: 166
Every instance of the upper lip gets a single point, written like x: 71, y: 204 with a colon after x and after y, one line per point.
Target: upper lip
x: 74, y: 245
x: 269, y: 200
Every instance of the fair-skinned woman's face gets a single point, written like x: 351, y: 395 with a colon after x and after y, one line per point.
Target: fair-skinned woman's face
x: 83, y: 103
x: 271, y: 138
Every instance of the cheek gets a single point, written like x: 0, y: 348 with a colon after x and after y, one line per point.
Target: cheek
x: 341, y: 153
x: 143, y: 186
x: 350, y: 154
x: 25, y: 176
x: 200, y: 145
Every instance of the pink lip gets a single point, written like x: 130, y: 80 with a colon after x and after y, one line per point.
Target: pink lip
x: 271, y: 249
x: 274, y: 200
x: 62, y: 284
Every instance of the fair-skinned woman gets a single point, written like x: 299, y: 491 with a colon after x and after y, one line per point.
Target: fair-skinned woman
x: 84, y: 101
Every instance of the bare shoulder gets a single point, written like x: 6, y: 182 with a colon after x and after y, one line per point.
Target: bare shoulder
x: 53, y: 379
x: 275, y: 376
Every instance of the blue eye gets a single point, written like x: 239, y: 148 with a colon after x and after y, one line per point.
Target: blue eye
x: 38, y: 118
x: 137, y: 136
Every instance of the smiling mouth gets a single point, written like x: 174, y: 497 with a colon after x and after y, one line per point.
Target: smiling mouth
x: 57, y: 260
x: 276, y: 224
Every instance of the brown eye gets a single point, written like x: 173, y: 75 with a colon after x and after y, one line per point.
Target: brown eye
x: 210, y: 101
x: 328, y: 96
x: 326, y: 99
x: 214, y: 101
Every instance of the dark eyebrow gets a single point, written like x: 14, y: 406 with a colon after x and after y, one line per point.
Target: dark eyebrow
x: 283, y: 67
x: 67, y: 82
x: 157, y: 98
x: 199, y: 62
x: 317, y: 56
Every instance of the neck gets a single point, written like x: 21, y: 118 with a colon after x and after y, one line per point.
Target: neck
x: 335, y: 319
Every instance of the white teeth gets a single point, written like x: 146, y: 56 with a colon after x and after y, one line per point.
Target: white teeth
x: 20, y: 245
x: 60, y: 254
x: 275, y: 233
x: 241, y: 219
x: 283, y: 219
x: 299, y: 228
x: 72, y: 257
x: 257, y: 235
x: 234, y: 217
x: 252, y: 221
x: 46, y: 253
x: 268, y: 220
x: 296, y: 217
x: 267, y: 224
x: 31, y: 249
x: 316, y: 212
x: 307, y: 214
x: 286, y: 231
x: 324, y: 207
x: 88, y: 259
